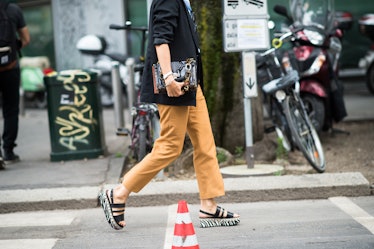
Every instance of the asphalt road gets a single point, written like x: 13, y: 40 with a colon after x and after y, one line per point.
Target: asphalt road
x: 334, y: 223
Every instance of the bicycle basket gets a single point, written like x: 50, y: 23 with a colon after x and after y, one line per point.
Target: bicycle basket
x: 267, y: 68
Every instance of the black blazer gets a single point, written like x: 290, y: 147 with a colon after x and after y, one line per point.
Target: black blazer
x: 170, y: 23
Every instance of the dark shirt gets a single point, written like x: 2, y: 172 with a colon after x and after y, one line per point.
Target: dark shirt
x: 16, y: 16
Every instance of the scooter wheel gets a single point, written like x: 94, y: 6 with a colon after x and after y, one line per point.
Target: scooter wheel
x: 370, y: 78
x: 315, y: 109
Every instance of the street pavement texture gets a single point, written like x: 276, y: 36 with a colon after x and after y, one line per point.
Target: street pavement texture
x: 333, y: 223
x: 36, y: 183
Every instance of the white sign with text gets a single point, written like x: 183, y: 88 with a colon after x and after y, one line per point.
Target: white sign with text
x: 245, y: 34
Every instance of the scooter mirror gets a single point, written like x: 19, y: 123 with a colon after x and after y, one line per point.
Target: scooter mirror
x: 281, y: 10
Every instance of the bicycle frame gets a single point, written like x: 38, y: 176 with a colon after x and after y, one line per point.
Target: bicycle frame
x: 143, y: 131
x: 145, y: 119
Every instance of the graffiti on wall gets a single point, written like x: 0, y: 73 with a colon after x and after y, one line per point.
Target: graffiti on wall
x: 75, y: 115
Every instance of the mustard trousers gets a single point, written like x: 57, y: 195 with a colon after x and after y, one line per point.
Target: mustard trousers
x: 175, y: 121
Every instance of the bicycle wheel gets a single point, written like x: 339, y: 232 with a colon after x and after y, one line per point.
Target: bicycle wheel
x: 142, y: 144
x: 304, y: 133
x: 315, y: 108
x: 139, y: 137
x: 281, y: 127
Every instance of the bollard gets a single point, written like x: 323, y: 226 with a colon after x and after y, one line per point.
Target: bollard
x: 130, y: 64
x: 21, y: 101
x: 117, y: 95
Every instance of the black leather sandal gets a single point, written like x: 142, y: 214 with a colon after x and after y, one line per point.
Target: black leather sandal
x: 218, y: 219
x: 108, y: 205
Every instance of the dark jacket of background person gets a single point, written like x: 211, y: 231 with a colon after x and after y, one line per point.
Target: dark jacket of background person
x: 19, y: 26
x: 174, y: 27
x: 10, y: 84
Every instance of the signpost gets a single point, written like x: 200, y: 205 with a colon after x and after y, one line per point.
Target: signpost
x: 244, y: 30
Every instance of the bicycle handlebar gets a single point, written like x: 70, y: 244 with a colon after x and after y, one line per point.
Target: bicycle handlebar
x: 127, y: 27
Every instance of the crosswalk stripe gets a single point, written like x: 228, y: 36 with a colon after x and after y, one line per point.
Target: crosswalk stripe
x: 29, y: 219
x: 357, y: 213
x: 28, y: 243
x: 172, y: 215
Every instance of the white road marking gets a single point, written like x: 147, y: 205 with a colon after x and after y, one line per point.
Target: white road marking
x: 34, y: 219
x: 48, y: 194
x: 169, y: 233
x: 28, y: 243
x: 357, y: 213
x: 31, y: 219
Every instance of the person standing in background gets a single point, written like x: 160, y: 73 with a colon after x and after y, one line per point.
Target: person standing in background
x: 13, y: 25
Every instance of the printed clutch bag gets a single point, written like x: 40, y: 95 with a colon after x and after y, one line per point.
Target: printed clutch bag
x: 183, y: 71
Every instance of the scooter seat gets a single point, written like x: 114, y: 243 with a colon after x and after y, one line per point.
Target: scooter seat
x: 118, y: 57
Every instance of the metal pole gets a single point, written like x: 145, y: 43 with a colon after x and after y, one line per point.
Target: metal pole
x: 250, y: 90
x: 22, y: 101
x: 130, y: 64
x: 249, y: 153
x: 117, y: 95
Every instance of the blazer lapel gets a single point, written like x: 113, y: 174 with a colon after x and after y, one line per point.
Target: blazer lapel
x: 193, y: 28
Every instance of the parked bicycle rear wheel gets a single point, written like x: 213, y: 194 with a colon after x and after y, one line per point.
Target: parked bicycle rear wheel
x: 141, y: 146
x: 304, y: 133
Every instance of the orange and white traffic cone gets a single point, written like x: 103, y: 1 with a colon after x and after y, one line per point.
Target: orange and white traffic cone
x: 184, y: 232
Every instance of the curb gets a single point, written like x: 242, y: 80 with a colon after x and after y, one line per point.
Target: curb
x: 245, y: 189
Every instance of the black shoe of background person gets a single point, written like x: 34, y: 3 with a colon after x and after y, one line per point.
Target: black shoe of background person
x: 2, y: 164
x: 10, y: 157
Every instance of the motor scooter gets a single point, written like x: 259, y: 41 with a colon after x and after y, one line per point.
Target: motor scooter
x: 33, y: 70
x: 366, y: 25
x: 315, y: 54
x: 95, y: 45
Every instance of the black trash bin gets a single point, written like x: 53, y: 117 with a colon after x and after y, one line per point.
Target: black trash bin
x: 75, y: 115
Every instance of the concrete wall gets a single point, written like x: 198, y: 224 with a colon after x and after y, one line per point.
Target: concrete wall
x: 73, y: 19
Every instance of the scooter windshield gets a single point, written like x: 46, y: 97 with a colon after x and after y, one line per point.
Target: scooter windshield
x: 318, y: 13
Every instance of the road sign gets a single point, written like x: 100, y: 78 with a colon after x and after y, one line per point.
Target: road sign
x: 245, y: 7
x: 245, y: 28
x: 245, y: 34
x: 249, y: 74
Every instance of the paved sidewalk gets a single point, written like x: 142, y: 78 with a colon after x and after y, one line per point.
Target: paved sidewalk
x: 37, y: 183
x: 36, y: 178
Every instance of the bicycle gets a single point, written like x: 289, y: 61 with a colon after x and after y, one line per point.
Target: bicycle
x: 281, y: 88
x: 145, y: 117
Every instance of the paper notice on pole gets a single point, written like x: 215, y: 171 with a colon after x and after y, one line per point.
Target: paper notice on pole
x: 252, y: 33
x: 245, y: 34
